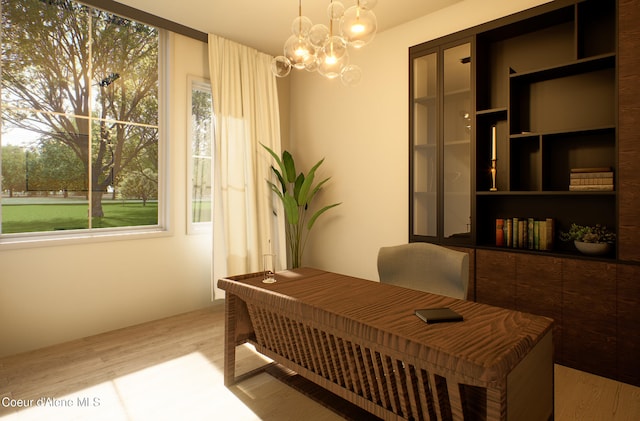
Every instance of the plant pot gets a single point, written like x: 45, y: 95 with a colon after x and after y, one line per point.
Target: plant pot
x: 592, y: 249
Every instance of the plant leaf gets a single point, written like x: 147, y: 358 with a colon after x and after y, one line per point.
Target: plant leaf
x: 318, y: 213
x: 303, y: 197
x: 276, y: 158
x: 289, y: 166
x: 291, y: 209
x: 316, y: 189
x: 283, y: 184
x: 298, y: 186
x: 276, y: 190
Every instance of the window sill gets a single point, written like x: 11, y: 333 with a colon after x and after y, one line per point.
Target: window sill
x: 31, y: 240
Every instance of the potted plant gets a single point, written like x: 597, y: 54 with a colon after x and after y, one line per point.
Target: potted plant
x: 593, y: 240
x: 296, y: 191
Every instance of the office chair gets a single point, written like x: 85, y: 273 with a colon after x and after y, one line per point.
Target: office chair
x: 425, y: 267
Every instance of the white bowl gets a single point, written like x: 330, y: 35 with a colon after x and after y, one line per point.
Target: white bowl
x: 592, y: 249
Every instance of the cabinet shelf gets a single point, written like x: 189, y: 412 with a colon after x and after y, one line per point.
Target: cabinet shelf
x: 502, y: 111
x: 583, y: 130
x: 460, y: 142
x: 425, y: 100
x: 561, y: 104
x: 457, y: 92
x: 545, y: 193
x: 431, y: 99
x: 591, y: 64
x: 553, y: 253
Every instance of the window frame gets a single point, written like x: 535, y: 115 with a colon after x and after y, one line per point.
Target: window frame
x: 89, y: 235
x: 194, y: 228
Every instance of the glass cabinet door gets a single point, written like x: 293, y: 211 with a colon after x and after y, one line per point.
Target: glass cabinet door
x: 456, y: 135
x: 441, y: 133
x: 425, y: 147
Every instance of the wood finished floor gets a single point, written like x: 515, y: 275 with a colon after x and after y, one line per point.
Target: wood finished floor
x: 171, y: 369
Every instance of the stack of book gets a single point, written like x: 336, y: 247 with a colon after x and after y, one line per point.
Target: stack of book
x: 525, y: 233
x: 591, y: 179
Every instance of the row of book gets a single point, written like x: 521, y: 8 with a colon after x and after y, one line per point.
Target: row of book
x: 525, y: 233
x: 591, y: 179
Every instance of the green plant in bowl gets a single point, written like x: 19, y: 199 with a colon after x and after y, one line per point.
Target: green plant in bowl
x: 589, y: 234
x: 592, y: 240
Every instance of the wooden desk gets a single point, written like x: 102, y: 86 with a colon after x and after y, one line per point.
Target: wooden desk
x: 361, y: 340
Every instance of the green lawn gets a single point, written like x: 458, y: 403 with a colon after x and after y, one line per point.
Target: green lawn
x: 59, y: 216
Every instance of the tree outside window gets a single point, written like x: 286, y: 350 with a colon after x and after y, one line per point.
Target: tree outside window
x: 80, y: 138
x: 201, y: 135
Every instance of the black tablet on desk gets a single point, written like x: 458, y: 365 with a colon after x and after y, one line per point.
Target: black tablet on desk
x: 438, y: 315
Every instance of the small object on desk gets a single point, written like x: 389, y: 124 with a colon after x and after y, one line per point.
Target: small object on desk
x: 438, y: 315
x: 269, y: 268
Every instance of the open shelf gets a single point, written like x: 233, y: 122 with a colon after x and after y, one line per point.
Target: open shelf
x: 548, y: 86
x: 591, y: 64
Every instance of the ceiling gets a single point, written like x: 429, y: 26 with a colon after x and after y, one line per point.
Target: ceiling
x: 265, y: 24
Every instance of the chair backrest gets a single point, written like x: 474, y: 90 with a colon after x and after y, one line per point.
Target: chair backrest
x: 425, y: 267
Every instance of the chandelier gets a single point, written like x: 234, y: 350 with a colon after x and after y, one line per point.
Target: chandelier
x: 322, y: 49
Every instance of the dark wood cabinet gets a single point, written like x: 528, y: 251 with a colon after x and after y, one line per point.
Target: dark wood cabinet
x: 628, y: 316
x: 539, y: 291
x: 496, y: 278
x: 523, y: 282
x: 559, y: 85
x: 628, y: 122
x: 589, y: 316
x: 595, y: 305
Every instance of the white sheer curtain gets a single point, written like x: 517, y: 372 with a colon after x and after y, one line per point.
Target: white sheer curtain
x: 246, y: 110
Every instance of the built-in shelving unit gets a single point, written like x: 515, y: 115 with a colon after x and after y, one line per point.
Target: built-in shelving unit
x: 559, y: 85
x: 550, y: 90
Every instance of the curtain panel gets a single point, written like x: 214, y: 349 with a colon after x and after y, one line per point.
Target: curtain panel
x: 245, y: 103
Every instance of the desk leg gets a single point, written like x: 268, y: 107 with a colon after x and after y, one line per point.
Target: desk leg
x: 230, y: 340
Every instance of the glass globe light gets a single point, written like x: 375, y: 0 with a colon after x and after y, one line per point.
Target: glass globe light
x: 280, y: 66
x: 331, y: 69
x: 335, y: 10
x: 318, y: 35
x: 332, y: 60
x: 358, y: 26
x: 312, y: 64
x: 298, y: 50
x: 301, y: 26
x: 351, y: 75
x: 335, y: 48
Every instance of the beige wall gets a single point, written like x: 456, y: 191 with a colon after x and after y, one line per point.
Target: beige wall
x: 363, y: 133
x: 56, y: 293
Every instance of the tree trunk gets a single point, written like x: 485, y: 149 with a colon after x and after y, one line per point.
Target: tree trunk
x: 96, y: 205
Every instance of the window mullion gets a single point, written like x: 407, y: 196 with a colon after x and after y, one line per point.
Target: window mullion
x: 90, y: 125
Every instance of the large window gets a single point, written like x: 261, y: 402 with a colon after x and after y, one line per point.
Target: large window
x: 201, y: 152
x: 80, y: 120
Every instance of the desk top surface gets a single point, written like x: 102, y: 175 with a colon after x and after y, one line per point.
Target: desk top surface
x: 487, y: 344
